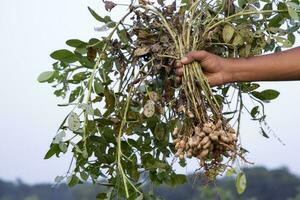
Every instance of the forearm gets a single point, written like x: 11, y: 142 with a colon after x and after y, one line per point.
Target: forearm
x: 274, y: 67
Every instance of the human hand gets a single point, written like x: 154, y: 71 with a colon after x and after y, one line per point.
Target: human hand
x: 213, y: 66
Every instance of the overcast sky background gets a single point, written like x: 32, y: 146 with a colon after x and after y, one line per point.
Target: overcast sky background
x: 29, y: 31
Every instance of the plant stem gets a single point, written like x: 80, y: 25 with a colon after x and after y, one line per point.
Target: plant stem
x: 240, y: 112
x: 119, y: 147
x: 90, y: 81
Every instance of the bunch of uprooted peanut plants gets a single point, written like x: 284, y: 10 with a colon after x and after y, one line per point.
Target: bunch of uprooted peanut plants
x: 166, y: 34
x: 129, y: 114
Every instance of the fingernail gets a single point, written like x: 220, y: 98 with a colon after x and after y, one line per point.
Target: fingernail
x: 184, y: 59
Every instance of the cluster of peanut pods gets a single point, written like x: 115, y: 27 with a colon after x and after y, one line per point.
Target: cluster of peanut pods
x: 206, y: 142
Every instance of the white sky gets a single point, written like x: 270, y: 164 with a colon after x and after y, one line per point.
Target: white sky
x: 29, y: 31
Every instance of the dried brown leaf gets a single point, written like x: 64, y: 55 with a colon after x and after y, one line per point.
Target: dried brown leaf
x: 149, y: 108
x: 91, y: 54
x: 141, y: 51
x: 144, y: 2
x: 109, y: 5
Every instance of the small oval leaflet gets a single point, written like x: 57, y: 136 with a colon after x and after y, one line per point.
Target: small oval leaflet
x: 230, y: 172
x: 149, y: 108
x: 238, y: 40
x: 45, y: 76
x: 73, y: 121
x: 63, y: 147
x: 59, y: 179
x: 88, y: 108
x: 228, y: 32
x: 85, y: 154
x: 72, y: 180
x: 241, y: 182
x: 84, y: 175
x: 101, y: 28
x: 59, y: 137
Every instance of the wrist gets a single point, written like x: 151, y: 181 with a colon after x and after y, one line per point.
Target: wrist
x: 229, y: 72
x: 234, y: 70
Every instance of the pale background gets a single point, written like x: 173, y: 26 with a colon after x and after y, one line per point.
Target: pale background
x: 29, y: 31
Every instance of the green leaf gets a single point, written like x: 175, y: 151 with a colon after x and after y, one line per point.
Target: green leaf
x: 238, y: 40
x: 241, y: 183
x: 63, y: 147
x: 132, y: 170
x: 151, y: 163
x: 123, y: 35
x: 96, y: 16
x: 276, y: 21
x: 94, y: 42
x: 291, y: 38
x: 293, y: 13
x: 109, y: 99
x: 230, y: 172
x: 73, y: 121
x: 84, y: 61
x: 85, y: 154
x: 81, y: 50
x: 152, y: 122
x: 104, y: 122
x: 249, y: 87
x: 266, y: 95
x: 59, y: 137
x: 45, y: 76
x: 76, y: 43
x: 72, y: 181
x: 242, y: 3
x: 268, y: 6
x: 64, y: 56
x: 282, y: 6
x: 54, y: 149
x: 160, y: 131
x: 245, y: 51
x: 270, y: 94
x: 90, y: 111
x: 80, y: 76
x: 108, y: 134
x: 293, y: 5
x: 98, y: 87
x: 109, y: 22
x: 254, y: 111
x: 75, y: 94
x: 84, y: 175
x: 228, y: 32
